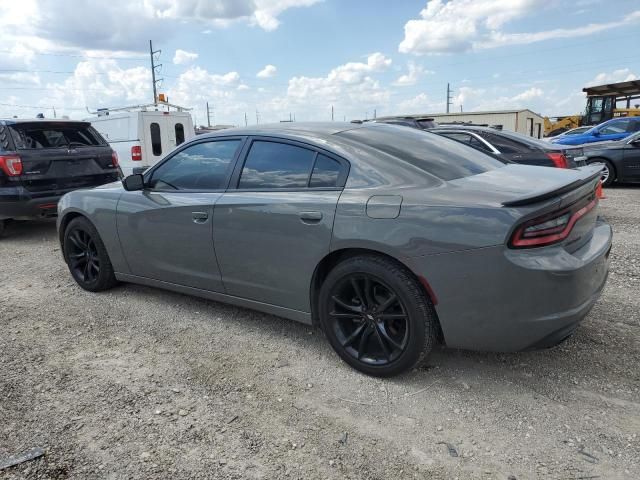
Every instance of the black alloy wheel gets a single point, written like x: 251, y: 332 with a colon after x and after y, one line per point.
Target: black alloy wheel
x: 82, y: 253
x: 376, y: 315
x: 369, y: 319
x: 87, y: 257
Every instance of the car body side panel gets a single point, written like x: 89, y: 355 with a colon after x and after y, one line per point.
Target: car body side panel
x: 268, y: 243
x: 99, y: 205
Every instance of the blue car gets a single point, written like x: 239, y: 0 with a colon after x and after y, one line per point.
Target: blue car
x: 614, y: 129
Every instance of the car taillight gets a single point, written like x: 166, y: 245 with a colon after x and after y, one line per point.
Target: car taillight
x: 550, y: 228
x: 11, y: 165
x: 559, y: 160
x: 136, y: 153
x: 114, y: 159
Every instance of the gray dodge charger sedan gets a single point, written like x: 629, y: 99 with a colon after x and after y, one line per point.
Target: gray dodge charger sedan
x: 388, y: 238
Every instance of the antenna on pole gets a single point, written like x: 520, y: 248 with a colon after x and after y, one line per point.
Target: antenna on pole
x: 449, y: 102
x: 153, y: 71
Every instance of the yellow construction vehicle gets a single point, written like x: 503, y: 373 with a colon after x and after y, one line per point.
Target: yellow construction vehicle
x: 602, y: 103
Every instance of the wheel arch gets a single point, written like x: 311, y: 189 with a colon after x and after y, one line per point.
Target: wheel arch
x: 609, y: 161
x: 337, y: 256
x: 64, y: 221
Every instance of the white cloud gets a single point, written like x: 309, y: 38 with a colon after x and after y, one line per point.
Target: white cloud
x: 267, y: 72
x: 412, y: 76
x: 621, y: 75
x: 463, y: 25
x: 100, y: 83
x: 183, y: 57
x: 87, y: 24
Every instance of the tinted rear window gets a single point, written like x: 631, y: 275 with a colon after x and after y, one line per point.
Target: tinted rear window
x: 276, y: 165
x: 27, y: 137
x: 445, y: 158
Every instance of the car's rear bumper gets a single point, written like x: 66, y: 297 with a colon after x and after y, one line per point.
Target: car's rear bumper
x: 500, y: 299
x: 19, y: 203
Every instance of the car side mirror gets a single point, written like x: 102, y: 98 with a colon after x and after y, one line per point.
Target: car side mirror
x: 133, y: 183
x: 595, y: 133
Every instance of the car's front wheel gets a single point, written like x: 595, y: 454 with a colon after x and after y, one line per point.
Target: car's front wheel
x: 87, y: 256
x: 376, y: 315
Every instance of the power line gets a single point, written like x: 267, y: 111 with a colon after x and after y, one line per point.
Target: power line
x: 71, y: 55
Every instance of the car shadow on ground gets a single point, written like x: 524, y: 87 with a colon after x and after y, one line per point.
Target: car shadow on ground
x: 29, y: 229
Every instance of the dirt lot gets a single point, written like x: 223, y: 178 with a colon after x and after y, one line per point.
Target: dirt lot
x: 141, y: 383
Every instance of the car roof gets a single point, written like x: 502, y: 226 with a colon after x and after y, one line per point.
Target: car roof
x: 17, y: 121
x: 297, y: 129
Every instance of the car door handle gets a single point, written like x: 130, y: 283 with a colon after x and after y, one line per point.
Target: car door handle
x: 310, y: 217
x: 199, y: 217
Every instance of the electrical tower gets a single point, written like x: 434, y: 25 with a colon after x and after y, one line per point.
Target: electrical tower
x: 154, y: 67
x: 449, y: 102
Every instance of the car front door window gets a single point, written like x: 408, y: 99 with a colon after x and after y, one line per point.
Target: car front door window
x: 203, y: 166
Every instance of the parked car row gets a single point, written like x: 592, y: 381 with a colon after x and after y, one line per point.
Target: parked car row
x: 611, y: 130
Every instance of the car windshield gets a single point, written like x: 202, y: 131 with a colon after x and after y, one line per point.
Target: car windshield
x: 445, y: 158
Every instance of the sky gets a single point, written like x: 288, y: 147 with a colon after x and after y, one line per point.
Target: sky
x: 271, y: 60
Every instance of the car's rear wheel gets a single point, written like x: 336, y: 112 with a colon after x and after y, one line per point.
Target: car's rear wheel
x: 87, y: 256
x: 608, y: 171
x: 377, y: 316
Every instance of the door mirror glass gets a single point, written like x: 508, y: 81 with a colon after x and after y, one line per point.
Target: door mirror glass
x: 133, y: 183
x: 595, y: 133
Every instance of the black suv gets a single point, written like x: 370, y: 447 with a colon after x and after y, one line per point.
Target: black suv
x: 41, y: 160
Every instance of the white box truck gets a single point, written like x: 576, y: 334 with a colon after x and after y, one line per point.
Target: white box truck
x: 142, y: 137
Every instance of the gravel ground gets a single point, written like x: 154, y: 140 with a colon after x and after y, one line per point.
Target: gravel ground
x: 142, y: 383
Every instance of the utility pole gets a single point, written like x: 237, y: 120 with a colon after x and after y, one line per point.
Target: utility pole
x: 209, y: 115
x: 374, y: 113
x: 257, y: 117
x: 153, y: 71
x: 449, y: 102
x: 54, y: 112
x: 245, y: 119
x: 332, y: 113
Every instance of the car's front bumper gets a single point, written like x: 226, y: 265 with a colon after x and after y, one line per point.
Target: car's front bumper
x: 499, y: 299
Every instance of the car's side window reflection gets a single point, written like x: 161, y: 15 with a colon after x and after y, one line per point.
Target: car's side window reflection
x: 276, y: 165
x: 203, y: 166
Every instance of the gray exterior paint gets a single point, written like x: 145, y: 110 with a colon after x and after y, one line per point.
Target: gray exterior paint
x: 260, y: 249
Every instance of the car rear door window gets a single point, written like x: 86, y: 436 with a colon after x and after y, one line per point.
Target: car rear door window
x: 326, y: 172
x: 156, y: 141
x: 505, y: 145
x: 203, y: 166
x: 276, y: 165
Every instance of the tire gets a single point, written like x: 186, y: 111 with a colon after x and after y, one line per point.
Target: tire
x: 356, y: 300
x: 610, y: 176
x: 87, y: 257
x: 3, y: 226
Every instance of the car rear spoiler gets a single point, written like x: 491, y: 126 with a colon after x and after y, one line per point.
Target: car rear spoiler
x: 589, y: 174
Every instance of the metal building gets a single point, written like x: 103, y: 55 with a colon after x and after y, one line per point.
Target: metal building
x: 521, y: 121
